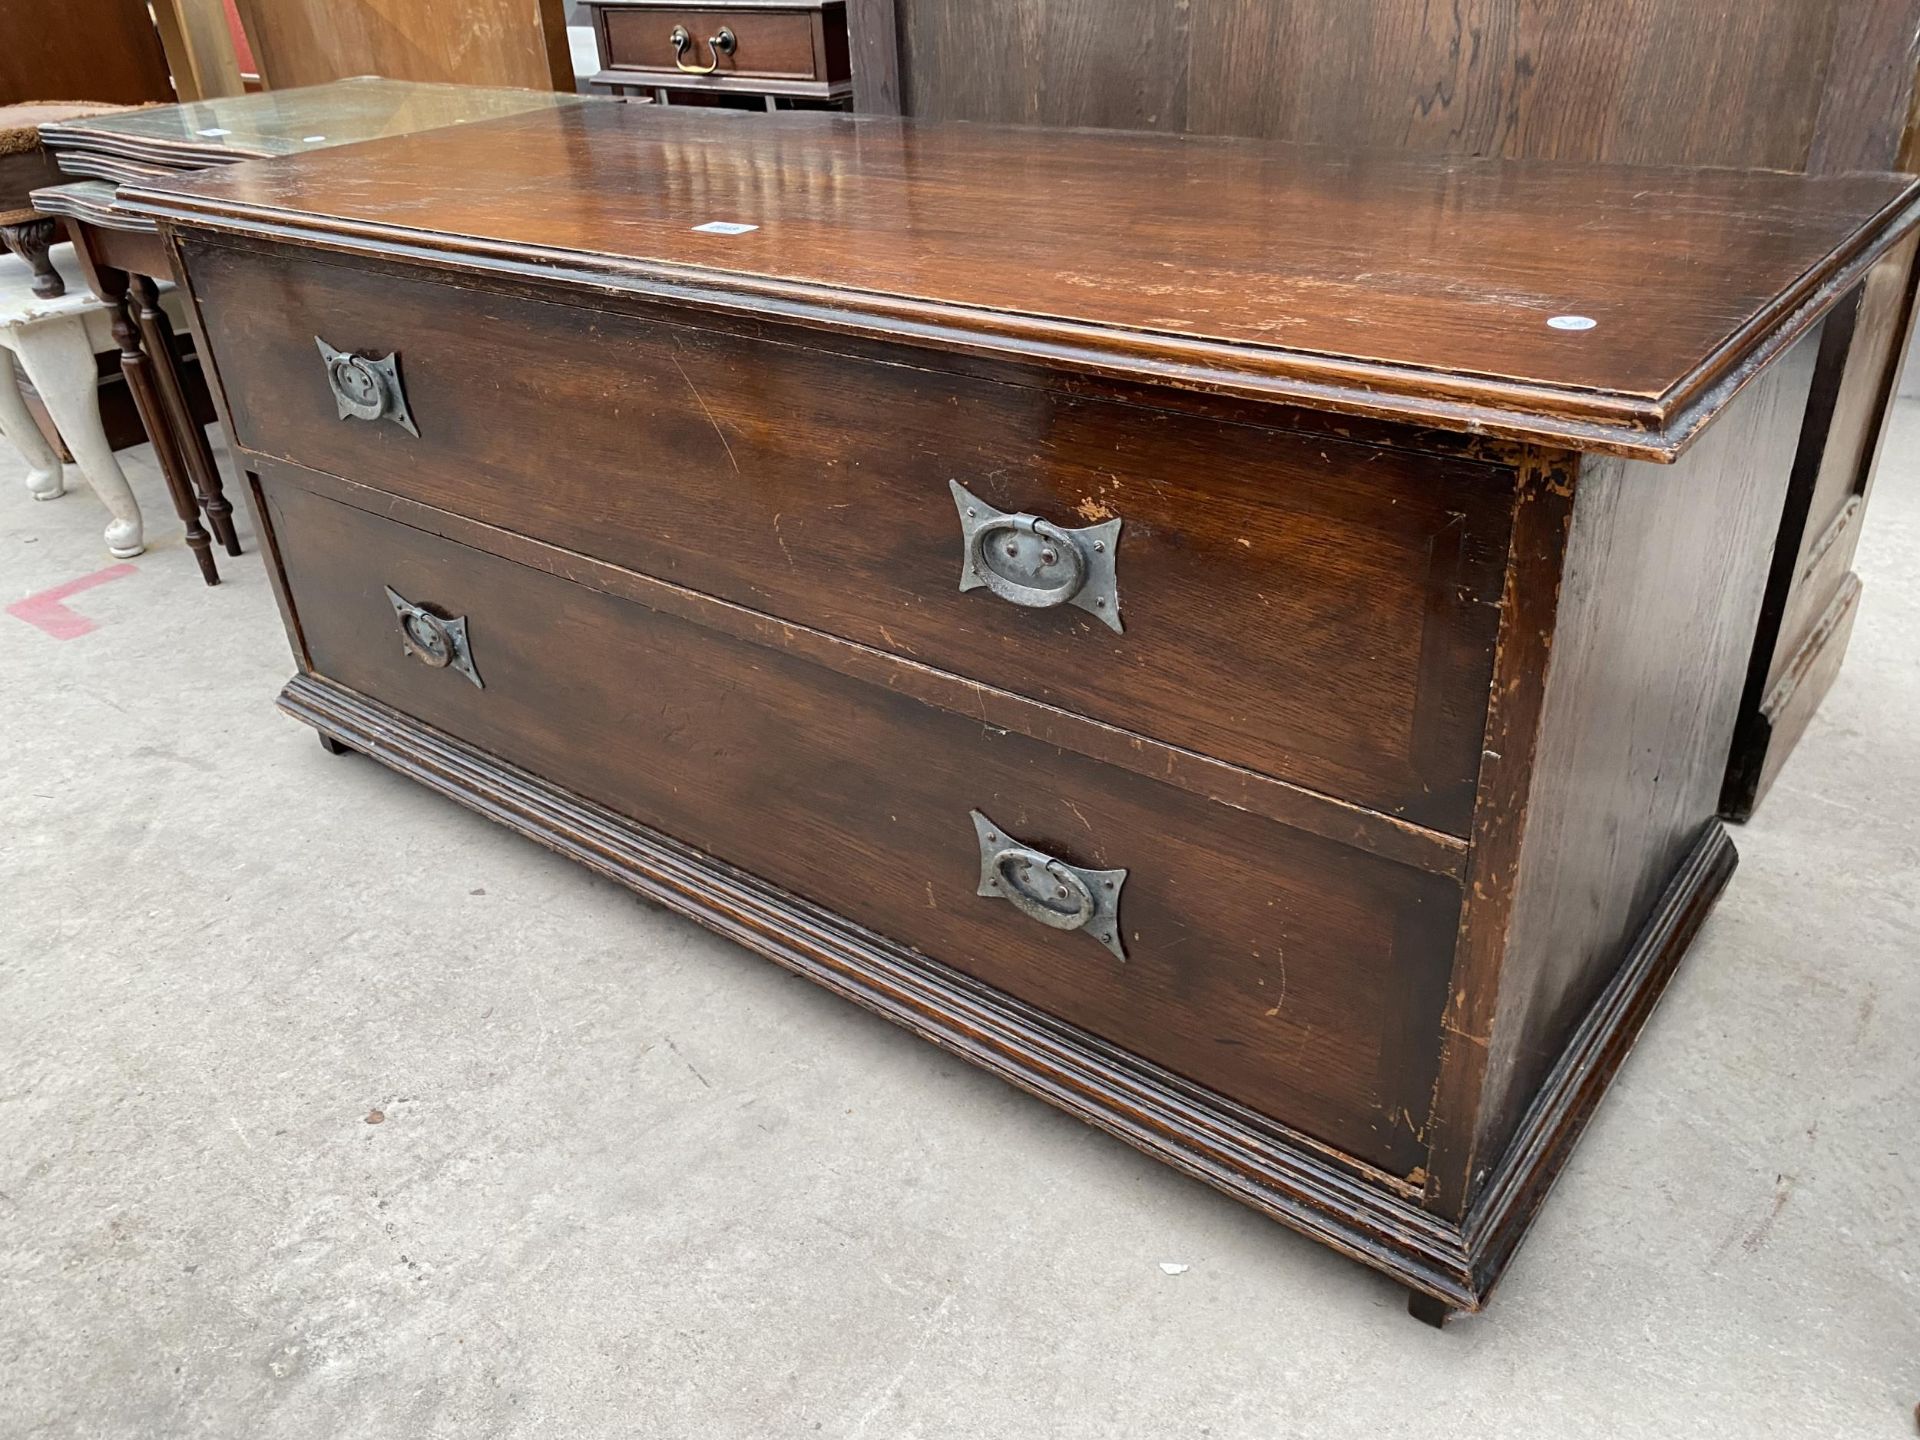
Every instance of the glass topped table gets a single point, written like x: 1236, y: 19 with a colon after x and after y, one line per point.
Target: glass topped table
x: 282, y: 122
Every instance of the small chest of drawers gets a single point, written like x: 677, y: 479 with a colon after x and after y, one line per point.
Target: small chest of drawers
x: 776, y: 53
x: 1247, y: 653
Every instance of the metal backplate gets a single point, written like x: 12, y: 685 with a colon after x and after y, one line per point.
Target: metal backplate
x: 365, y: 388
x: 1025, y: 560
x: 436, y: 640
x: 1045, y: 888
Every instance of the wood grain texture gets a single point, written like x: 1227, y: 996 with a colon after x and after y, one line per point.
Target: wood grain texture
x: 1286, y: 973
x: 82, y: 50
x: 519, y: 43
x: 1409, y: 287
x: 1642, y: 691
x: 199, y: 48
x: 1866, y: 108
x: 1317, y: 611
x: 873, y: 35
x: 1628, y: 81
x: 1119, y: 64
x: 1807, y: 85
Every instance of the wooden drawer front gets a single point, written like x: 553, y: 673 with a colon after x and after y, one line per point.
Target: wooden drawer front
x: 1294, y: 975
x: 1316, y: 611
x: 768, y: 44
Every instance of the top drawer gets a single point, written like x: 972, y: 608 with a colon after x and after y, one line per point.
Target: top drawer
x: 757, y: 43
x: 1316, y: 611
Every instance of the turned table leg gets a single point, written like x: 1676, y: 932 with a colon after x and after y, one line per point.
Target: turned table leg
x: 133, y: 364
x: 163, y: 357
x: 31, y: 240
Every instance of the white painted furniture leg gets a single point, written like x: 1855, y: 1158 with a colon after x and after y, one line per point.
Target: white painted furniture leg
x: 44, y: 478
x: 58, y: 359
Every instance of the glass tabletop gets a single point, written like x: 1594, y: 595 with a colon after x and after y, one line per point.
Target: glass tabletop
x: 286, y: 122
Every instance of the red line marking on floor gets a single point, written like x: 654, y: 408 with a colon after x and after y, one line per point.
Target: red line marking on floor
x: 47, y: 610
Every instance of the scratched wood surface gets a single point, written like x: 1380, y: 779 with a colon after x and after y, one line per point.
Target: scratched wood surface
x: 815, y: 487
x: 1430, y: 275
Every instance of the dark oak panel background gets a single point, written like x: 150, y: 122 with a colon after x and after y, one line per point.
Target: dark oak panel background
x: 1820, y: 85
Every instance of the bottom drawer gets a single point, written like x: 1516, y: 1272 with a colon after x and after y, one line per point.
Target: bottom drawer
x: 1288, y: 973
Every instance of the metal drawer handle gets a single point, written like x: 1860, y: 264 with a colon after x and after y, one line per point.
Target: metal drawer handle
x: 439, y: 643
x: 722, y: 44
x: 1045, y: 888
x: 365, y: 388
x: 1036, y: 564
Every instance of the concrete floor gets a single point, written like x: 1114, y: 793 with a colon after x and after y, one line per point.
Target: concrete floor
x: 629, y: 1180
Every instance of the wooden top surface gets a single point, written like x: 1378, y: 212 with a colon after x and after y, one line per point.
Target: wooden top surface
x: 1400, y: 286
x: 290, y: 122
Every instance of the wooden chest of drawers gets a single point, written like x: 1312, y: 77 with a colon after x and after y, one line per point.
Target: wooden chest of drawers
x: 771, y: 51
x: 1247, y: 652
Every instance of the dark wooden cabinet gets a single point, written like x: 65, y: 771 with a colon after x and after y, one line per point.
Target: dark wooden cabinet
x: 1247, y: 653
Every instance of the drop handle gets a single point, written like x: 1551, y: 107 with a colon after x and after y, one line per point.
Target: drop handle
x: 1036, y: 564
x: 438, y: 642
x: 681, y: 39
x: 367, y: 387
x: 1046, y: 888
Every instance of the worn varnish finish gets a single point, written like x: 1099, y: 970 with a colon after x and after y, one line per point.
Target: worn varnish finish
x: 815, y: 488
x: 1402, y: 286
x: 1635, y: 634
x: 1386, y: 1029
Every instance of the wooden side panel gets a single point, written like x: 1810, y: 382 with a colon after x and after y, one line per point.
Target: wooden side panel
x: 1817, y: 563
x: 1801, y: 636
x: 519, y: 43
x: 1653, y: 81
x: 1819, y: 85
x: 81, y: 50
x: 1866, y: 114
x: 1116, y: 64
x: 1659, y: 590
x: 873, y: 35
